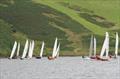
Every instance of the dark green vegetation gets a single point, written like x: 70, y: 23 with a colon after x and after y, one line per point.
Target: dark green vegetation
x: 39, y: 20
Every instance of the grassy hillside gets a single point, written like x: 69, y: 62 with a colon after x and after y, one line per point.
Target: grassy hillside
x: 70, y: 21
x: 5, y: 38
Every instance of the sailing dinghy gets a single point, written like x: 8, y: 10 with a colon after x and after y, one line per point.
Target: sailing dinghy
x: 57, y: 51
x: 54, y: 51
x: 93, y: 55
x: 13, y: 50
x: 92, y: 50
x: 41, y: 51
x: 25, y: 50
x: 105, y: 49
x: 31, y: 48
x: 116, y: 45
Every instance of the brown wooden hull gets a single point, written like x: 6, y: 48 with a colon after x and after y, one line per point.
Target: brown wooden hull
x: 50, y: 58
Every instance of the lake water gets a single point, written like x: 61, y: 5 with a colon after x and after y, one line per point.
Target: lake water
x: 61, y: 68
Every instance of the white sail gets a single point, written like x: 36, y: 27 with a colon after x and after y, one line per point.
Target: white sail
x: 57, y: 51
x: 116, y: 45
x: 33, y: 45
x: 105, y: 47
x: 54, y: 48
x: 94, y: 46
x: 29, y: 51
x: 13, y: 49
x: 18, y: 49
x: 32, y: 48
x: 91, y: 47
x: 42, y: 48
x: 25, y: 49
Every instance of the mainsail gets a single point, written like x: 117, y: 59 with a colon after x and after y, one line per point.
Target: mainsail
x: 92, y: 51
x: 94, y: 46
x: 29, y: 51
x: 105, y: 47
x: 18, y: 49
x: 54, y: 48
x: 42, y: 48
x: 13, y: 49
x: 25, y: 49
x: 116, y: 45
x: 91, y: 46
x: 57, y: 51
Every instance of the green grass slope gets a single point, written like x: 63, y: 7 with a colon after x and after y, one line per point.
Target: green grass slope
x: 43, y: 20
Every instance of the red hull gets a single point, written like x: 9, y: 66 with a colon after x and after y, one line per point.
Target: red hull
x: 102, y: 59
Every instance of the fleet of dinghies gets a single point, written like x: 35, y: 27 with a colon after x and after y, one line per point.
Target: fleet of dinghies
x: 104, y: 54
x: 29, y: 48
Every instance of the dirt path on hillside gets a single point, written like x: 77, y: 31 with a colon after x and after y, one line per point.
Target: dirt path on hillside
x: 72, y: 37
